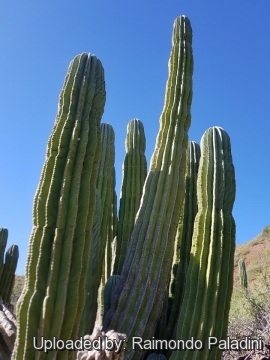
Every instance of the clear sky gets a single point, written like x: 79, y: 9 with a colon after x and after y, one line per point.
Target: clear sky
x: 231, y: 45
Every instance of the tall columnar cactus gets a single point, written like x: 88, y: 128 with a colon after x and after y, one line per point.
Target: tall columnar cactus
x: 184, y: 236
x: 8, y: 274
x: 134, y: 174
x: 243, y: 274
x: 95, y: 262
x: 209, y: 284
x: 106, y: 182
x: 138, y: 297
x: 112, y: 228
x: 53, y: 296
x: 3, y: 244
x: 105, y: 186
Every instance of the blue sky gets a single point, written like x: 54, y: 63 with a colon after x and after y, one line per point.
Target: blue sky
x: 133, y: 41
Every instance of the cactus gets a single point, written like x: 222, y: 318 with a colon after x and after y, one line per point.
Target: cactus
x: 3, y: 244
x: 146, y: 269
x: 155, y: 356
x: 184, y: 236
x: 7, y: 269
x: 243, y: 275
x: 92, y: 280
x: 111, y: 234
x: 75, y: 221
x: 105, y: 186
x: 134, y: 174
x: 108, y: 291
x: 209, y: 282
x: 8, y: 274
x: 62, y: 215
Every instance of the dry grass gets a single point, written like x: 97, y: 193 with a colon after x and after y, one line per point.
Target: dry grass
x: 250, y: 312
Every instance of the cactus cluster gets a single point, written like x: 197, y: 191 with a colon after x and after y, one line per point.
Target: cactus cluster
x: 163, y: 267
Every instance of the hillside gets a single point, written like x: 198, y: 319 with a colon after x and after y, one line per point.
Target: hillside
x: 256, y: 254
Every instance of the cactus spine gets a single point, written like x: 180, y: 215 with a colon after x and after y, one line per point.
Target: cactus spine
x: 243, y: 275
x: 63, y: 214
x: 184, y: 235
x: 134, y: 174
x: 8, y: 274
x: 149, y: 258
x: 209, y: 283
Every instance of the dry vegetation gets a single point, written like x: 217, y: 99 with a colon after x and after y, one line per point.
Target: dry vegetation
x: 250, y: 311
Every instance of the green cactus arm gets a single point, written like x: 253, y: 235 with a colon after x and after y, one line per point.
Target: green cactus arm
x: 134, y: 174
x: 243, y: 274
x: 146, y: 269
x: 108, y: 291
x: 106, y: 181
x: 62, y: 214
x: 92, y: 280
x: 206, y: 301
x: 105, y: 186
x: 8, y: 274
x: 184, y: 234
x: 3, y: 244
x: 112, y: 228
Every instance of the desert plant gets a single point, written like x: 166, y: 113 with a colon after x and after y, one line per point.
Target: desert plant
x: 183, y: 238
x: 53, y: 296
x: 266, y: 231
x: 147, y: 265
x: 243, y: 275
x: 8, y: 274
x: 68, y: 244
x: 3, y: 243
x: 209, y: 284
x: 7, y: 267
x: 134, y: 174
